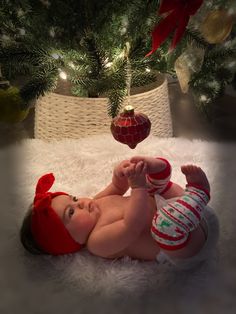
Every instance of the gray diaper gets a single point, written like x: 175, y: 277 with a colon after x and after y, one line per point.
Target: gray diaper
x: 205, y: 252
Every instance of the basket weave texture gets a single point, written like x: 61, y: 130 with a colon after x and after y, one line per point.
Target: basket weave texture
x: 59, y: 116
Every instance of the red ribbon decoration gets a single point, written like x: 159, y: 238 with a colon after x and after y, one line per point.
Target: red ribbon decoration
x: 178, y: 15
x: 47, y: 228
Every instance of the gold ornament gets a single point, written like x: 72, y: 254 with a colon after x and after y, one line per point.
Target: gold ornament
x: 187, y: 63
x: 10, y: 105
x: 217, y: 26
x: 183, y: 73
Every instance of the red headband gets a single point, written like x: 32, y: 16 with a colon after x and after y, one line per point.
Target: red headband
x: 46, y: 226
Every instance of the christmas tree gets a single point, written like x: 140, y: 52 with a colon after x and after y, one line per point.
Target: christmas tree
x: 101, y: 47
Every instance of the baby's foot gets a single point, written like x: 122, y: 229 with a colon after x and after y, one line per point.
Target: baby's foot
x: 154, y: 165
x: 195, y: 175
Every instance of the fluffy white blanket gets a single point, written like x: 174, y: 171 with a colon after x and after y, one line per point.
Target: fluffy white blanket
x: 83, y: 167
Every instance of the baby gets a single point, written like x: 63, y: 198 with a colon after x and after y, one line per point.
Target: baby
x: 112, y: 225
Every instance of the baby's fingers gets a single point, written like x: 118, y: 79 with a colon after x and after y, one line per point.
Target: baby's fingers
x: 129, y: 171
x: 136, y: 159
x: 121, y: 169
x: 145, y: 168
x: 139, y: 167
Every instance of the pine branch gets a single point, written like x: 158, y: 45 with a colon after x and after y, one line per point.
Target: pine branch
x: 195, y: 38
x: 21, y: 55
x: 142, y: 78
x: 43, y: 81
x: 220, y: 54
x: 83, y: 81
x: 116, y: 98
x: 94, y: 55
x: 11, y: 70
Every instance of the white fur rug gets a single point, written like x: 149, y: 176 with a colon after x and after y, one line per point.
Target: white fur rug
x: 80, y: 283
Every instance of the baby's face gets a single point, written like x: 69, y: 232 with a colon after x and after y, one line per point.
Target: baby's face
x: 78, y: 215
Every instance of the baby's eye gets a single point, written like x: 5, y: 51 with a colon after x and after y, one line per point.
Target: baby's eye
x: 74, y: 198
x: 71, y: 212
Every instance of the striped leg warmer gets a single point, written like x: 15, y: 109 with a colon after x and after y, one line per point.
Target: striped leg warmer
x: 159, y: 183
x: 172, y: 224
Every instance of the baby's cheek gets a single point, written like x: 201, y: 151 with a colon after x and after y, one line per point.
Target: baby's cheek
x: 74, y: 231
x: 91, y: 223
x: 82, y: 221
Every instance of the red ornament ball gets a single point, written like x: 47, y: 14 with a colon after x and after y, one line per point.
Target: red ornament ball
x: 130, y: 128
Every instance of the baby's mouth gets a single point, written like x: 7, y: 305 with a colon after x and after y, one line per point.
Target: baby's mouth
x: 90, y: 208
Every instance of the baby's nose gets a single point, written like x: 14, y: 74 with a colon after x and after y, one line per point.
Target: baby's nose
x: 79, y: 205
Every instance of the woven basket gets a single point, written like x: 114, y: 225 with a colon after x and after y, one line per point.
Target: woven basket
x: 59, y: 116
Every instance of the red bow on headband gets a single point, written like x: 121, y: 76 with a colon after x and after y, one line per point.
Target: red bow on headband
x: 178, y: 15
x: 47, y: 228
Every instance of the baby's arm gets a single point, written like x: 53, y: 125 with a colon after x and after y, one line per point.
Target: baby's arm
x: 136, y: 175
x: 114, y: 238
x: 119, y: 184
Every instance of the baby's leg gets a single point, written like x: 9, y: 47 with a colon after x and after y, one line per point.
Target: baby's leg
x: 172, y: 224
x: 174, y: 191
x: 159, y: 182
x: 158, y: 178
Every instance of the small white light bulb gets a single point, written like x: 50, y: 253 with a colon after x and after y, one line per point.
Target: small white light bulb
x: 123, y: 30
x: 55, y: 55
x: 71, y: 64
x: 52, y: 32
x: 203, y: 98
x: 22, y: 31
x: 108, y: 65
x: 121, y: 54
x: 63, y: 75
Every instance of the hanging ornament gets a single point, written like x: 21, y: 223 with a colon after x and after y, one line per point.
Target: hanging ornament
x: 176, y: 15
x: 217, y: 26
x: 189, y: 62
x: 10, y: 104
x: 130, y: 128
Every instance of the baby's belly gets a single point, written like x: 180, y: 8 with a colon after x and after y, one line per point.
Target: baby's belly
x: 143, y: 248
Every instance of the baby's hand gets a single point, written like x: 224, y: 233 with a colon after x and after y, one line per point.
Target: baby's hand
x: 136, y: 174
x: 119, y: 170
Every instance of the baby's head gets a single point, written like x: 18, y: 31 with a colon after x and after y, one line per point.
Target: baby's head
x: 57, y: 223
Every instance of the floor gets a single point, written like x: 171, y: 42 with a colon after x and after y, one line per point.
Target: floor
x: 188, y: 122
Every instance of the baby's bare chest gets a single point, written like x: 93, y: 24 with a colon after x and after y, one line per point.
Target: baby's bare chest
x: 114, y: 207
